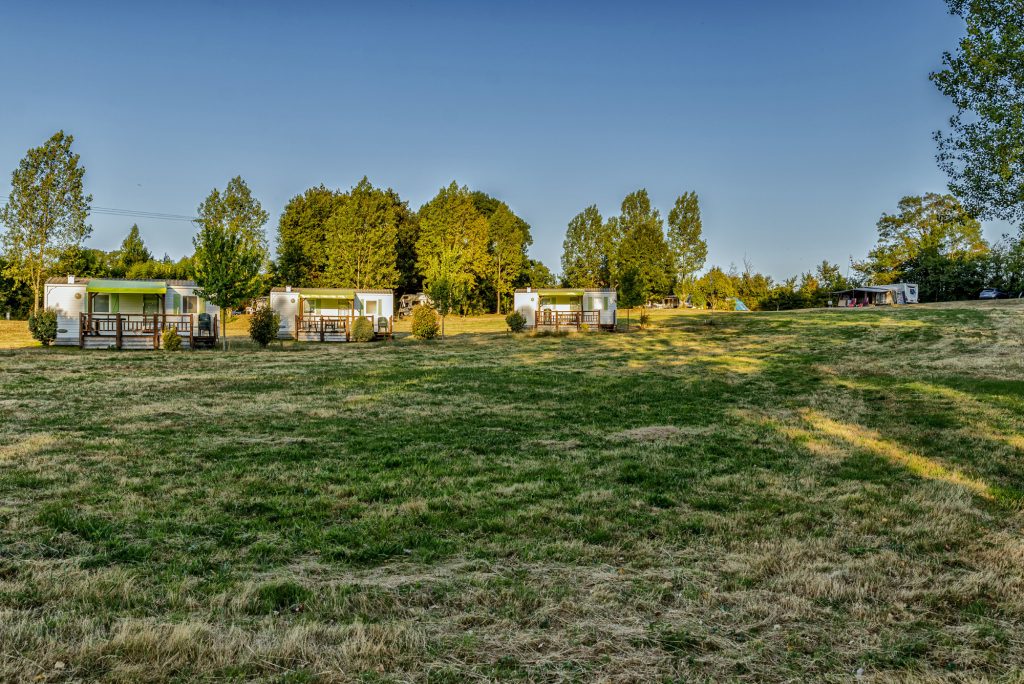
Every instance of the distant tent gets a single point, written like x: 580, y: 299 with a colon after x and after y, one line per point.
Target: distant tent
x: 740, y: 306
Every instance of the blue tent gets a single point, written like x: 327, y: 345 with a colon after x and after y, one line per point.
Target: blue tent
x: 740, y: 306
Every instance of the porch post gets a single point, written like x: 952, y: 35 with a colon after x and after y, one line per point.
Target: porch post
x: 191, y: 332
x: 117, y: 325
x: 81, y: 330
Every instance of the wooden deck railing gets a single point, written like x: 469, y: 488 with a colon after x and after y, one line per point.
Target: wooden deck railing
x: 330, y: 326
x: 121, y: 325
x: 568, y: 319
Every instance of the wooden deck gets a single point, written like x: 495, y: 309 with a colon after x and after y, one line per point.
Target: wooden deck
x: 317, y: 328
x: 570, y: 320
x: 143, y: 331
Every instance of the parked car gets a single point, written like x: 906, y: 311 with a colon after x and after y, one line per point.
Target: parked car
x: 993, y: 293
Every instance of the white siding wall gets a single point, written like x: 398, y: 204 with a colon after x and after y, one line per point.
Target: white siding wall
x: 61, y: 297
x: 526, y: 304
x: 286, y: 304
x: 383, y: 305
x: 605, y: 302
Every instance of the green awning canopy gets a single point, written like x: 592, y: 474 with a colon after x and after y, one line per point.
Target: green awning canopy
x: 127, y: 286
x: 558, y: 292
x: 326, y: 293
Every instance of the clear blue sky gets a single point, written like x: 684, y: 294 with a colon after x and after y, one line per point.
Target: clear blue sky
x: 798, y: 121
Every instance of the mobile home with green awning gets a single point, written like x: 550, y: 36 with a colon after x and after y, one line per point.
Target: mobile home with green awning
x: 121, y: 313
x: 327, y: 314
x: 560, y: 308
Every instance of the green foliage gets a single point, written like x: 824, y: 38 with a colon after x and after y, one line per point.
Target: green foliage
x: 685, y: 238
x: 42, y: 324
x: 934, y: 228
x: 644, y: 318
x: 45, y: 213
x: 133, y: 251
x: 170, y: 340
x: 362, y: 330
x: 264, y: 324
x: 453, y: 244
x: 716, y: 289
x: 424, y: 322
x: 362, y: 234
x: 630, y: 292
x: 984, y: 79
x: 15, y: 297
x: 536, y: 274
x: 587, y: 251
x: 516, y: 322
x: 643, y: 250
x: 302, y: 244
x: 508, y: 236
x: 230, y: 248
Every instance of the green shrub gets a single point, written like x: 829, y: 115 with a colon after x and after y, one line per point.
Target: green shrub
x: 424, y: 322
x: 43, y: 326
x: 263, y: 325
x: 645, y: 318
x: 516, y: 322
x: 171, y: 340
x: 362, y: 329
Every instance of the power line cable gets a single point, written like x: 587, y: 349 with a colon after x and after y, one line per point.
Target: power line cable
x: 132, y: 213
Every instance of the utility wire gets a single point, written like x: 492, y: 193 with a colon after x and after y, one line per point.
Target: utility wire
x: 132, y: 213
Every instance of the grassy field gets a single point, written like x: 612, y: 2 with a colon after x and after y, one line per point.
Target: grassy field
x: 807, y: 496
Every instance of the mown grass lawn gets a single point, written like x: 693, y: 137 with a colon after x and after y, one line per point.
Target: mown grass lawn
x: 810, y: 496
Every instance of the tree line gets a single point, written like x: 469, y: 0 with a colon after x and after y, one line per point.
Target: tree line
x: 469, y: 250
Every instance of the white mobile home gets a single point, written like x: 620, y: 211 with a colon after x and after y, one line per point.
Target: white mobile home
x: 104, y: 313
x: 318, y: 314
x: 566, y: 308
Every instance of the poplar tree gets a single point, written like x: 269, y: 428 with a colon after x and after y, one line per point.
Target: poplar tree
x: 508, y: 241
x: 362, y: 239
x: 46, y: 213
x: 685, y: 239
x: 642, y: 249
x: 586, y: 257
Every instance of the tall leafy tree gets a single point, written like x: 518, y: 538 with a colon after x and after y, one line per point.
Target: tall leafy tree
x: 587, y: 251
x: 231, y: 249
x: 45, y: 214
x: 929, y: 224
x: 983, y: 153
x: 362, y: 237
x: 302, y: 236
x: 685, y: 238
x: 642, y: 247
x: 454, y: 231
x: 408, y: 229
x: 508, y: 237
x: 133, y: 250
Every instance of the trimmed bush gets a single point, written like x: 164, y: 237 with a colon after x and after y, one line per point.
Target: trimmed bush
x: 171, y: 340
x: 645, y: 318
x: 424, y: 322
x: 263, y: 325
x: 362, y: 329
x: 43, y: 326
x: 516, y: 322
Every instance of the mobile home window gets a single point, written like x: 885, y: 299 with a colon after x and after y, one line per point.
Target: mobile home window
x: 371, y: 307
x: 101, y: 303
x: 189, y: 304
